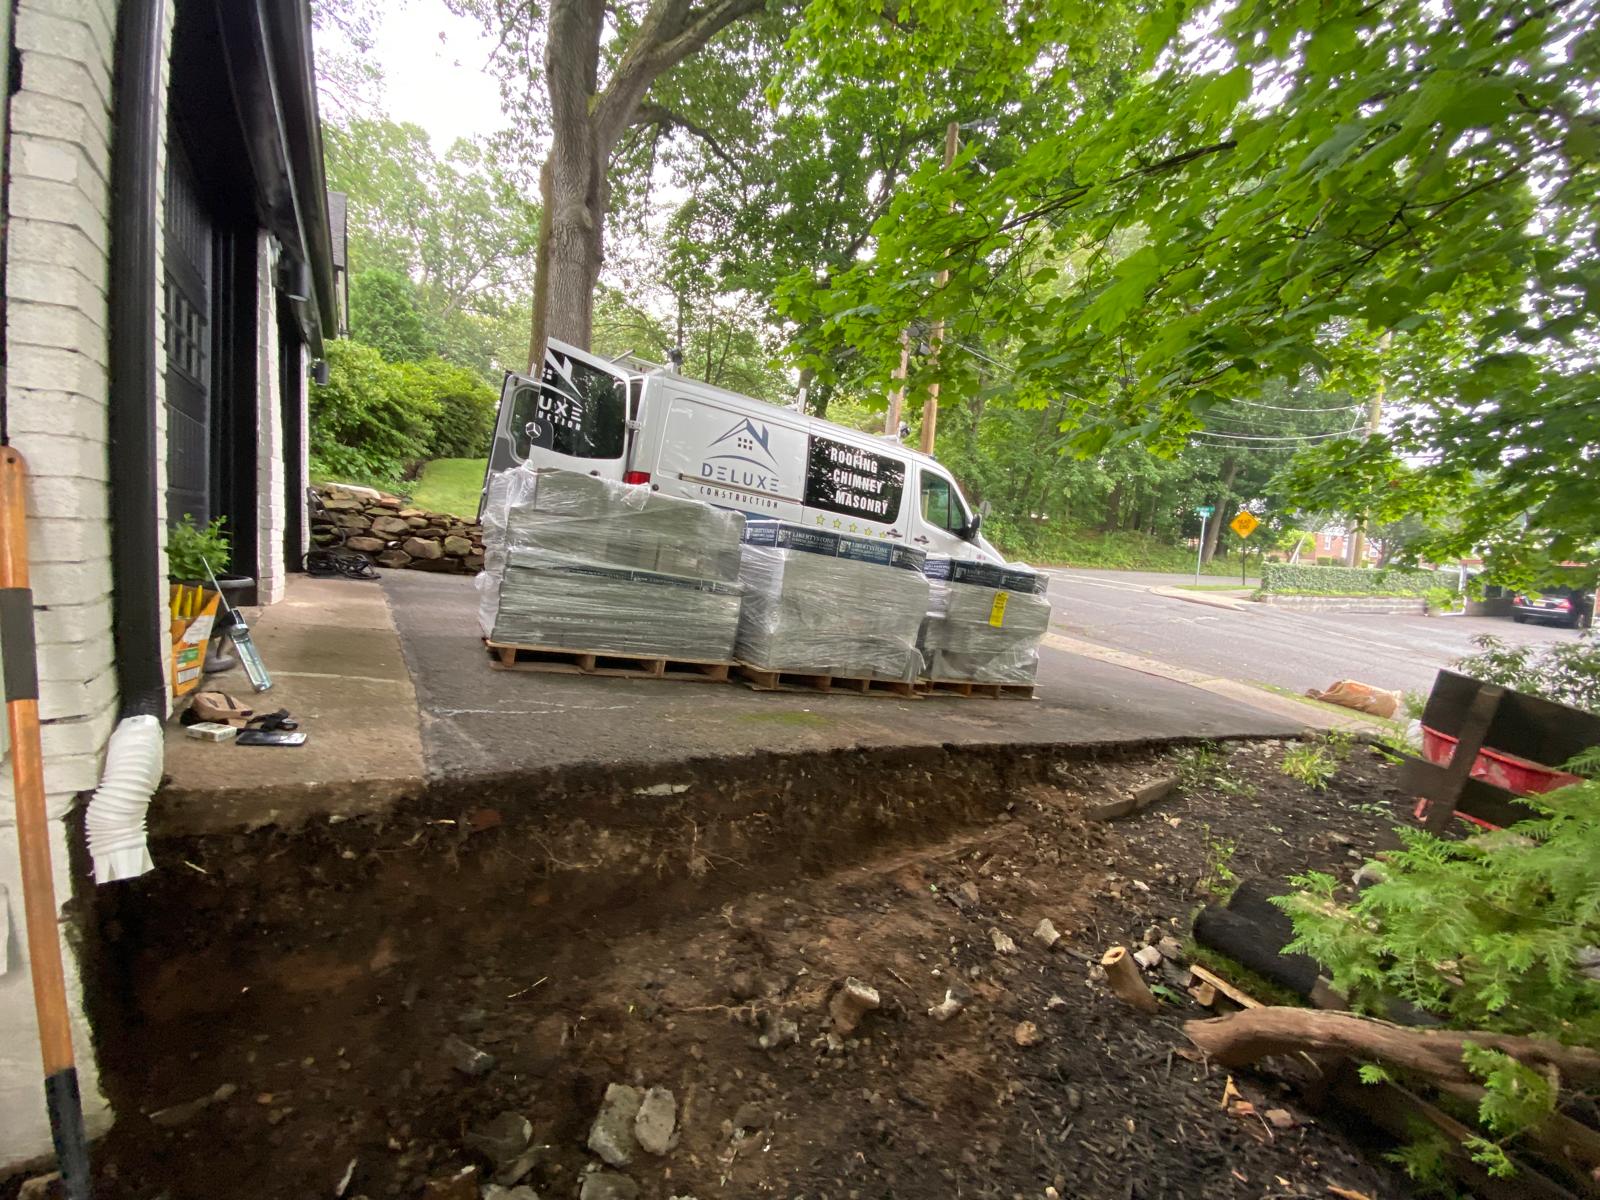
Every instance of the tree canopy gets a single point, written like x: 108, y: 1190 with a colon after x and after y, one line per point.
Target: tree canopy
x: 1276, y: 189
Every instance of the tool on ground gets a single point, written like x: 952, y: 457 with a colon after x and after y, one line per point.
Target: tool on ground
x: 239, y: 633
x: 33, y: 833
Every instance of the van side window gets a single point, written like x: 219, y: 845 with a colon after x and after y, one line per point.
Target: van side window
x: 940, y: 508
x: 577, y: 410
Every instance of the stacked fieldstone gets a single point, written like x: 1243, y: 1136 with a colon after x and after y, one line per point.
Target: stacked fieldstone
x: 385, y: 530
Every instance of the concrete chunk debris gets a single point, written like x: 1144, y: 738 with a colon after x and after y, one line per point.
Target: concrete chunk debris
x: 1046, y: 935
x: 655, y: 1125
x: 1002, y: 942
x: 1147, y: 957
x: 611, y: 1136
x: 946, y: 1008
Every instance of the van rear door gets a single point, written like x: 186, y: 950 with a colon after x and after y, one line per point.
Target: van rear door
x: 575, y: 417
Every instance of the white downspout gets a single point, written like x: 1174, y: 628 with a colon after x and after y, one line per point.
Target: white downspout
x: 116, y: 818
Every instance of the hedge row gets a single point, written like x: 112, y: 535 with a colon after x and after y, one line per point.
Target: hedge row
x: 1346, y: 581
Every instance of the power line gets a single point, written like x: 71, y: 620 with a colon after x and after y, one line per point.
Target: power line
x: 1295, y: 437
x: 1282, y: 408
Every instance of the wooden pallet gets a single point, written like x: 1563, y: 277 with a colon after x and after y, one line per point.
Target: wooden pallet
x: 972, y: 687
x: 763, y: 680
x: 555, y: 661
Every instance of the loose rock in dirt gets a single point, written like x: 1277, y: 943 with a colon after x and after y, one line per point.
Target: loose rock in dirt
x: 467, y: 1058
x: 608, y: 1185
x: 1002, y: 942
x: 1027, y: 1034
x: 502, y: 1139
x: 611, y: 1136
x: 655, y: 1125
x: 1046, y: 935
x: 853, y: 1001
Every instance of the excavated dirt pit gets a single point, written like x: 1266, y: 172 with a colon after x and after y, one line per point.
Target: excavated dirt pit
x: 272, y: 1008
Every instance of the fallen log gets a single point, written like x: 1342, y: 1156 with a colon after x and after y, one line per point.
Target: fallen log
x: 1243, y: 1037
x: 1122, y: 973
x: 1399, y: 1112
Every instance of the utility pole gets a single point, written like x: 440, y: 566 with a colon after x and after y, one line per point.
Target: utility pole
x: 891, y: 420
x: 930, y: 409
x: 1358, y: 537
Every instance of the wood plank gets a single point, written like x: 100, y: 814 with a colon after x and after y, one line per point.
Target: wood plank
x: 1242, y: 999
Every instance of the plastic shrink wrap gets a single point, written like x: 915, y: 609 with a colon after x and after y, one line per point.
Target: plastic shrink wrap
x: 830, y: 604
x: 984, y: 621
x: 575, y: 562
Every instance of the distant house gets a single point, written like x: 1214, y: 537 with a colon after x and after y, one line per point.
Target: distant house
x: 169, y: 280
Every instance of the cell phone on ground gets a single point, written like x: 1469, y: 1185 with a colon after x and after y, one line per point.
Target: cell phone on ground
x: 269, y: 737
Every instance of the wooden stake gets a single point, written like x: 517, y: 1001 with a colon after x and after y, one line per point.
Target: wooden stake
x: 1122, y: 973
x: 33, y: 832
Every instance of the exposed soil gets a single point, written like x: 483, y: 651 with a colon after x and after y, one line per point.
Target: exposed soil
x: 651, y: 938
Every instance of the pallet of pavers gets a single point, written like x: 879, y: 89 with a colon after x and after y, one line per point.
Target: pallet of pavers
x: 984, y: 622
x: 828, y: 612
x: 590, y: 576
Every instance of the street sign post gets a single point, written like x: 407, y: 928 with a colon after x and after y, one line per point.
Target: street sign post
x: 1244, y: 525
x: 1204, y: 513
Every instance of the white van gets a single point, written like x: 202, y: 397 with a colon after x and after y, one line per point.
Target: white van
x: 687, y: 438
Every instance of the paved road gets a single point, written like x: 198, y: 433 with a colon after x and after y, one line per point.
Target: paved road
x: 1294, y: 650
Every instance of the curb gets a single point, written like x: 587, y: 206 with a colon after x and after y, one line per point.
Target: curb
x: 1214, y: 600
x: 1299, y: 711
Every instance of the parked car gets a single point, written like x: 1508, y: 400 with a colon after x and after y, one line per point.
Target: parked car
x: 1560, y: 606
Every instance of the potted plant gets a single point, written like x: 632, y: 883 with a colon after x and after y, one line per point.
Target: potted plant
x: 192, y: 547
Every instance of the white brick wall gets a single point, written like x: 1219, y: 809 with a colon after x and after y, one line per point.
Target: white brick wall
x: 56, y: 322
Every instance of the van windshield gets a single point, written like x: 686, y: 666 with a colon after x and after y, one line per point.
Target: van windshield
x: 576, y: 410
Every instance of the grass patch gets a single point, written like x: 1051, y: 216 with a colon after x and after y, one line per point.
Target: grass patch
x: 791, y: 720
x: 450, y: 485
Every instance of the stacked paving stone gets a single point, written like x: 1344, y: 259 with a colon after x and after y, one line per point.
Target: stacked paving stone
x: 384, y: 529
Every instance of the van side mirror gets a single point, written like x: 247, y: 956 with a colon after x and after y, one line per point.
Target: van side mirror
x: 970, y: 531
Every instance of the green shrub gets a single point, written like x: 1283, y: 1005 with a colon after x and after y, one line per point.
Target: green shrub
x: 1326, y: 560
x: 366, y: 423
x: 464, y: 422
x: 1346, y: 581
x: 1567, y: 672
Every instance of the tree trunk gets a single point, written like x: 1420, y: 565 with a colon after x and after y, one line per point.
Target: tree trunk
x: 1230, y: 470
x: 586, y: 123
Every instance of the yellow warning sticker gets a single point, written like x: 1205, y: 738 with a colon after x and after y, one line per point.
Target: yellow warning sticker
x: 997, y: 610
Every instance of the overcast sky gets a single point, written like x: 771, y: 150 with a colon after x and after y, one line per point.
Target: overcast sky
x: 433, y: 68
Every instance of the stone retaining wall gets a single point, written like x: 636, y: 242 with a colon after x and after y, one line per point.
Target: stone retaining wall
x: 391, y: 534
x: 1408, y: 605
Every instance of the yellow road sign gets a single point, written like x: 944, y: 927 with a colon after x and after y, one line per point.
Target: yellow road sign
x: 1244, y: 524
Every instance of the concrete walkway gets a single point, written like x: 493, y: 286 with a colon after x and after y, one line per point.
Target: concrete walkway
x: 393, y: 687
x: 336, y: 665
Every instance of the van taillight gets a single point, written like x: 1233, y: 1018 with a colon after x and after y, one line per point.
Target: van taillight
x: 636, y: 477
